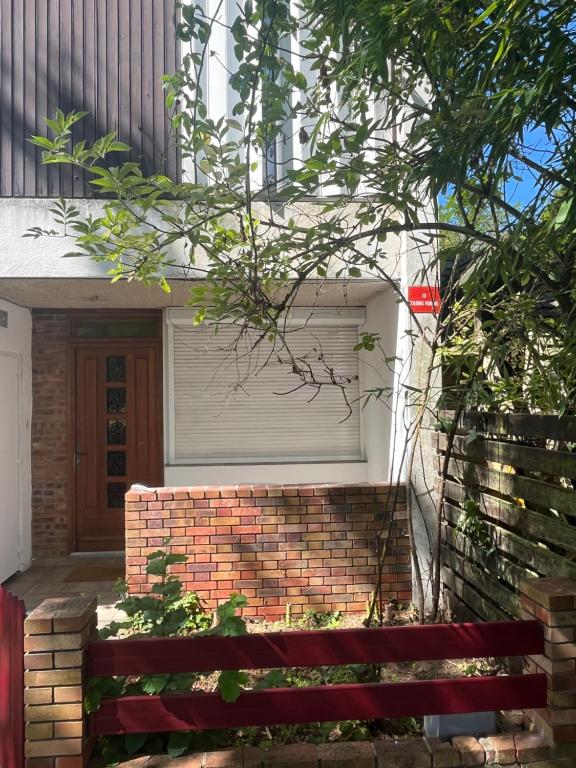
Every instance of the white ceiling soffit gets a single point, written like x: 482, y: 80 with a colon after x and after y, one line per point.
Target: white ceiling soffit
x: 83, y: 293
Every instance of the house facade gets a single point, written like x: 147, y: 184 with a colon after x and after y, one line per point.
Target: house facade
x: 109, y: 384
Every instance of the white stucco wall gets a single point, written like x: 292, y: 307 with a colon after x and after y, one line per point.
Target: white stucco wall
x: 426, y: 462
x: 58, y: 257
x: 15, y: 440
x: 43, y: 257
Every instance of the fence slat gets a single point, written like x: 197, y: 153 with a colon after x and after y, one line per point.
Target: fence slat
x: 11, y: 680
x: 485, y: 582
x: 470, y: 595
x: 308, y: 649
x: 511, y: 544
x: 521, y: 475
x: 558, y: 463
x: 503, y: 569
x: 150, y: 714
x: 525, y: 521
x: 517, y: 486
x: 522, y: 424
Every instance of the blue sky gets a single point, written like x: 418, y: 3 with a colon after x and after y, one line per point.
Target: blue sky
x: 520, y: 192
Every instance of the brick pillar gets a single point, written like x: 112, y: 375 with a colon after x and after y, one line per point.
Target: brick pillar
x: 51, y: 418
x: 56, y: 636
x: 553, y: 602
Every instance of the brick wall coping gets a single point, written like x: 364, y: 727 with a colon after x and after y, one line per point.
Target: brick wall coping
x: 504, y: 749
x: 223, y: 491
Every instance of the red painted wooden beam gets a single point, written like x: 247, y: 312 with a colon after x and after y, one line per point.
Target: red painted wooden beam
x: 309, y: 649
x: 149, y: 714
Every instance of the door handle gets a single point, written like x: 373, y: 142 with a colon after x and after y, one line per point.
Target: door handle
x: 78, y: 457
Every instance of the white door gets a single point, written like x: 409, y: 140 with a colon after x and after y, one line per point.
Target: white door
x: 9, y: 466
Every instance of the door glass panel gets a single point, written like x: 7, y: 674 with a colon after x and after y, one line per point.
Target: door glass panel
x: 117, y: 432
x: 116, y: 463
x: 116, y: 400
x: 115, y: 495
x: 115, y: 368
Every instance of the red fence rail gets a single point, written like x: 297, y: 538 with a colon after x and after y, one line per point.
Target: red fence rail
x: 12, y: 613
x: 202, y: 711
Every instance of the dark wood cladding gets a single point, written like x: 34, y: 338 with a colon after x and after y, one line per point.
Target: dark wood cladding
x: 106, y: 57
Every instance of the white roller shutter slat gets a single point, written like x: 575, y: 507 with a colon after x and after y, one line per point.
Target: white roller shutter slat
x: 227, y: 407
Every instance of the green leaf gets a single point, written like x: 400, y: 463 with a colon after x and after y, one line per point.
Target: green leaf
x: 501, y: 49
x: 300, y: 80
x: 156, y: 566
x: 41, y: 141
x: 53, y: 125
x: 133, y: 742
x: 199, y: 316
x: 119, y: 146
x: 471, y: 437
x: 92, y: 700
x: 154, y: 684
x: 230, y: 684
x: 178, y: 743
x: 485, y: 14
x: 273, y: 679
x: 173, y: 559
x: 563, y: 212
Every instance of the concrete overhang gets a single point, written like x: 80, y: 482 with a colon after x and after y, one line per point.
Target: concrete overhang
x: 100, y: 293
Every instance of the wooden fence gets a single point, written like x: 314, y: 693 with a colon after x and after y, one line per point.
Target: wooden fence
x: 509, y: 507
x: 12, y: 614
x: 199, y: 711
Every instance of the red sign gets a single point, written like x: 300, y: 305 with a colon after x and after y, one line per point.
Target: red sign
x: 424, y: 298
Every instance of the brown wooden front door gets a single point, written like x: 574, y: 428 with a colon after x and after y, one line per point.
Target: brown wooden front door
x: 118, y: 435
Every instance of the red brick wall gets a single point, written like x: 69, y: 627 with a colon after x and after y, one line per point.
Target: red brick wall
x: 50, y: 419
x: 310, y: 547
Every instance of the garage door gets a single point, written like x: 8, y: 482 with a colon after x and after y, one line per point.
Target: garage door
x: 9, y: 466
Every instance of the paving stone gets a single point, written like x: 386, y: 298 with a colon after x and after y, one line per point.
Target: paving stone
x: 409, y: 753
x: 347, y: 754
x: 252, y: 756
x: 489, y: 751
x: 500, y: 749
x: 225, y: 758
x: 164, y: 761
x: 531, y: 747
x: 133, y: 762
x: 443, y: 753
x: 471, y: 751
x: 291, y: 755
x: 560, y: 762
